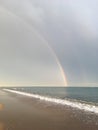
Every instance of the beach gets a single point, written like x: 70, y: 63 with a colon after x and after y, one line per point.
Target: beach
x: 24, y: 113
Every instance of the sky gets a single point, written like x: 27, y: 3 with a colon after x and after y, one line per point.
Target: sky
x: 48, y: 43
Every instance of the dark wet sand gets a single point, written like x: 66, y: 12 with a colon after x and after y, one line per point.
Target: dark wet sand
x: 23, y: 113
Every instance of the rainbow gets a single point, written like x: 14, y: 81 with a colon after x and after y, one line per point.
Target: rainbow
x: 45, y: 42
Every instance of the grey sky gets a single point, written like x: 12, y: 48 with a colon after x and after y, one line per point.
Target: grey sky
x: 71, y: 29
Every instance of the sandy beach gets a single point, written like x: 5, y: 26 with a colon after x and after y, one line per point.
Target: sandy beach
x: 23, y: 113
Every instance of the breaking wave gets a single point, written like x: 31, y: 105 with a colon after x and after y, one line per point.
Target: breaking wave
x: 74, y: 104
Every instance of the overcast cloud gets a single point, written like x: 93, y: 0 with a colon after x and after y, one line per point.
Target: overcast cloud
x: 71, y: 29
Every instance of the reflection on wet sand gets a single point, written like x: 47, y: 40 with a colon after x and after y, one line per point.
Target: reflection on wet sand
x: 1, y: 107
x: 2, y: 126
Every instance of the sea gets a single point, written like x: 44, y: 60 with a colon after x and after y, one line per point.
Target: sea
x: 84, y: 98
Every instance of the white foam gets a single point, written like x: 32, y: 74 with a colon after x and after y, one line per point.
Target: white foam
x: 81, y: 106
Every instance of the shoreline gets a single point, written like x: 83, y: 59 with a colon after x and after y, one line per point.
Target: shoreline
x: 77, y: 105
x: 50, y: 116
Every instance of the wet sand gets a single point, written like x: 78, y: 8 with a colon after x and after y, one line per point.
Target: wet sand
x: 22, y: 113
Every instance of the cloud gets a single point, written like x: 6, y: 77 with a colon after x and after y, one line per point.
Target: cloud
x: 24, y: 9
x: 70, y: 28
x: 24, y: 55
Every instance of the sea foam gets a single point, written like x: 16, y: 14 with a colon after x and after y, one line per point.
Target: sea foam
x: 74, y: 104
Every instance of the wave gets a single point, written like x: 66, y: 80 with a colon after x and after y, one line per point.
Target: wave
x: 74, y: 104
